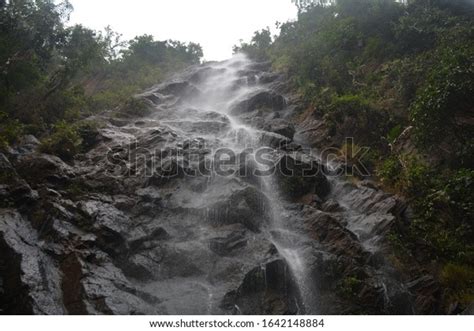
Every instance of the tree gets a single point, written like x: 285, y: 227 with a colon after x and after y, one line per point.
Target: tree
x: 31, y: 32
x: 259, y: 45
x: 113, y: 44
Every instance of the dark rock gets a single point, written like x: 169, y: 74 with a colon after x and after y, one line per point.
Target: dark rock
x: 181, y: 89
x: 328, y: 231
x: 144, y: 265
x: 469, y: 310
x: 147, y: 238
x: 107, y: 291
x: 149, y: 194
x: 292, y: 147
x: 247, y: 206
x: 427, y: 294
x: 31, y: 281
x: 225, y: 246
x: 260, y: 100
x: 268, y: 77
x: 169, y: 169
x: 14, y: 191
x: 153, y: 97
x: 269, y: 289
x: 274, y: 140
x: 300, y: 175
x: 108, y: 223
x: 370, y: 184
x: 331, y: 206
x: 28, y: 144
x: 90, y: 136
x: 39, y: 168
x: 281, y: 127
x: 204, y: 73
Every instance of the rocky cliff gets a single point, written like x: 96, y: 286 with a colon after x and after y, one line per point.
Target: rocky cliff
x: 145, y: 222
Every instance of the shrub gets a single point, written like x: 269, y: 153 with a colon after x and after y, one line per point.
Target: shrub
x: 10, y: 130
x: 394, y: 133
x: 448, y: 96
x: 406, y: 174
x: 355, y: 155
x: 64, y: 141
x: 459, y: 280
x: 134, y: 107
x: 353, y: 116
x: 349, y: 287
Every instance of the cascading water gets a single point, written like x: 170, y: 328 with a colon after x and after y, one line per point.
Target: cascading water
x: 221, y: 87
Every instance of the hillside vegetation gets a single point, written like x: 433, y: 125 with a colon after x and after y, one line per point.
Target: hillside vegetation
x: 399, y: 78
x: 53, y: 75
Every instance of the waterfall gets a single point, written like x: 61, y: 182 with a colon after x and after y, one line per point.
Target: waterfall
x: 221, y: 87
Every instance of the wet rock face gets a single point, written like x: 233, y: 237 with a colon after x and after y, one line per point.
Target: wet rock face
x: 28, y: 273
x: 268, y: 289
x: 260, y: 100
x: 299, y: 175
x: 149, y: 221
x: 282, y: 127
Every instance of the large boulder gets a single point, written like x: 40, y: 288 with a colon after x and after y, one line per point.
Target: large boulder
x: 247, y: 206
x: 260, y: 100
x: 266, y: 290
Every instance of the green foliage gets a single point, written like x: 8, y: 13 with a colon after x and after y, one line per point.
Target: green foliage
x: 459, y: 280
x: 258, y: 47
x: 10, y: 131
x: 353, y: 154
x: 64, y: 141
x: 52, y: 75
x: 438, y: 111
x: 442, y: 204
x: 389, y: 171
x: 394, y: 133
x: 353, y: 116
x: 349, y: 287
x: 406, y: 174
x: 144, y: 63
x: 369, y: 69
x: 134, y: 107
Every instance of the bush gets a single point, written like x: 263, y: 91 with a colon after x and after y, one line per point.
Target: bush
x: 134, y: 107
x: 88, y: 131
x: 389, y: 171
x: 448, y: 96
x: 459, y: 281
x: 354, y: 154
x: 64, y: 141
x: 406, y: 174
x: 442, y: 226
x: 352, y: 116
x: 10, y: 131
x: 349, y: 287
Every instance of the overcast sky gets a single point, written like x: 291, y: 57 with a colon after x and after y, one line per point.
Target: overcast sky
x: 216, y: 24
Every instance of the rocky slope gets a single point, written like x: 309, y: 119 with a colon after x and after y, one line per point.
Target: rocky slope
x: 144, y: 223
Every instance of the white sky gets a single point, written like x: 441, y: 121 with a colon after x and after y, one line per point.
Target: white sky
x: 216, y: 24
